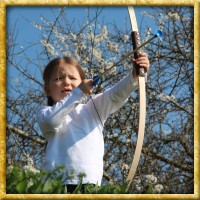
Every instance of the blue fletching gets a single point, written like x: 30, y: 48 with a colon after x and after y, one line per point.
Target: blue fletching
x: 96, y: 79
x: 159, y: 33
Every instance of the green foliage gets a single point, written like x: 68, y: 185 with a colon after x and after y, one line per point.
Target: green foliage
x: 113, y: 189
x: 29, y: 181
x: 24, y: 181
x: 150, y: 189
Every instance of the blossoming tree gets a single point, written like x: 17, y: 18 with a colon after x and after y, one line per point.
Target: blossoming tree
x: 167, y: 156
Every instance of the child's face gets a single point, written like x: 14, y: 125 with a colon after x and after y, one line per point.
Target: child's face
x: 62, y: 81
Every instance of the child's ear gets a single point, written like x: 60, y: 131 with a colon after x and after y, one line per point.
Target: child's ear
x: 46, y: 89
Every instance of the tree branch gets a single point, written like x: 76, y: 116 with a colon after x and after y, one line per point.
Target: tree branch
x: 25, y: 135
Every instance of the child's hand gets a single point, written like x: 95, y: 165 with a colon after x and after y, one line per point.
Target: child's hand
x: 86, y: 86
x: 142, y: 61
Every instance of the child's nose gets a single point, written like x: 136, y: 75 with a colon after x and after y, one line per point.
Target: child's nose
x: 66, y: 81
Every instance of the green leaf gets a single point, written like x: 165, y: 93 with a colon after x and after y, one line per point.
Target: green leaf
x: 149, y: 189
x: 21, y: 187
x: 91, y: 189
x: 78, y: 188
x: 48, y: 187
x: 123, y: 188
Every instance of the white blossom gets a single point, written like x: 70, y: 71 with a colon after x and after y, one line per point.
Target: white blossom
x: 104, y: 31
x: 46, y: 21
x: 110, y: 182
x: 74, y: 37
x: 49, y: 48
x: 101, y: 70
x: 149, y: 179
x: 76, y: 55
x: 82, y: 36
x: 164, y: 97
x: 134, y: 105
x: 58, y: 35
x: 98, y: 38
x: 28, y: 168
x: 87, y: 59
x: 173, y: 16
x: 129, y: 128
x: 161, y: 28
x: 126, y: 38
x: 80, y: 45
x: 158, y: 188
x: 97, y: 54
x: 125, y: 166
x: 148, y: 32
x: 112, y: 47
x: 91, y: 72
x: 67, y: 53
x: 30, y: 161
x: 115, y: 135
x: 173, y: 97
x: 139, y: 188
x: 128, y: 141
x: 166, y: 132
x: 161, y: 23
x: 9, y: 169
x: 108, y: 65
x: 9, y: 159
x: 90, y: 35
x: 153, y: 93
x: 137, y: 181
x: 37, y: 26
x: 84, y: 63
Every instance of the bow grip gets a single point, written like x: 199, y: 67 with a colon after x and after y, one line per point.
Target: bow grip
x: 136, y: 42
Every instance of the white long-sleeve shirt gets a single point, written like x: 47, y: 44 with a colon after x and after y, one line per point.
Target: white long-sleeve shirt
x: 74, y: 130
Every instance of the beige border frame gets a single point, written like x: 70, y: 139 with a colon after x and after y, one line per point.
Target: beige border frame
x: 4, y: 3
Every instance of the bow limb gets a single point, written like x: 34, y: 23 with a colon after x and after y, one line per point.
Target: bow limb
x: 142, y: 97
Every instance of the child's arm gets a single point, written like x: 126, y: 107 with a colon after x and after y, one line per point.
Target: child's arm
x: 114, y: 98
x: 122, y: 90
x: 50, y: 118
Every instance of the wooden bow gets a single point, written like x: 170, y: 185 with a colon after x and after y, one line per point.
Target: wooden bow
x: 142, y: 96
x: 142, y: 93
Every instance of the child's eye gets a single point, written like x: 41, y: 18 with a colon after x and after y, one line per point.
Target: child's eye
x: 59, y: 79
x: 72, y: 77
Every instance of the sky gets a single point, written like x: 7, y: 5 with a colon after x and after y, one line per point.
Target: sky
x: 21, y: 15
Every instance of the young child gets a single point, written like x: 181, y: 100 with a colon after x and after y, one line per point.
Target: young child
x: 74, y: 130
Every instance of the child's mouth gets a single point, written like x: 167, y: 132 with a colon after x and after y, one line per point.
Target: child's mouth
x: 66, y: 91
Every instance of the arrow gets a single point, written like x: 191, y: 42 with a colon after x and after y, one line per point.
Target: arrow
x: 158, y: 34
